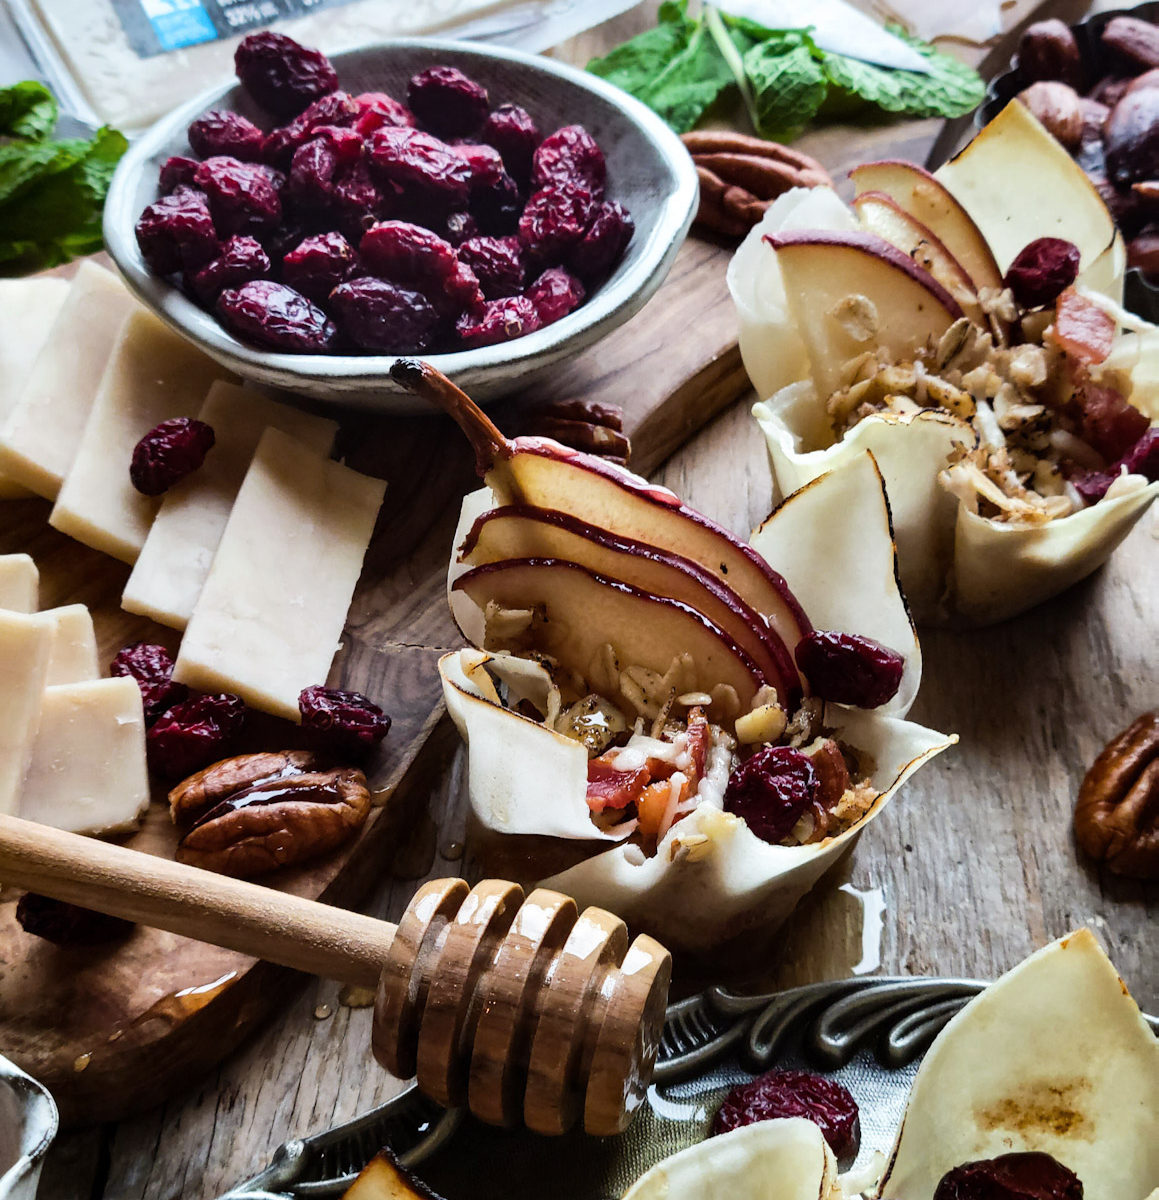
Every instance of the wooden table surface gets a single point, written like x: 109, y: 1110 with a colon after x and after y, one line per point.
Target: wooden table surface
x: 971, y: 868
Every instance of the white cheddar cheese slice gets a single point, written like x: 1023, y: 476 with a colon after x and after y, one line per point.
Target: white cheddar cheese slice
x: 19, y: 583
x: 72, y: 656
x: 152, y: 375
x: 25, y: 645
x: 28, y: 308
x: 271, y: 614
x: 41, y: 432
x: 88, y: 772
x: 175, y: 560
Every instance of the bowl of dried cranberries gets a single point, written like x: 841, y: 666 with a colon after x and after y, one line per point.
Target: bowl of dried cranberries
x: 490, y: 211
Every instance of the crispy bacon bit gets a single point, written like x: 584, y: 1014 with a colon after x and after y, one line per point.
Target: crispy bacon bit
x: 1082, y: 329
x: 609, y: 788
x: 1107, y: 421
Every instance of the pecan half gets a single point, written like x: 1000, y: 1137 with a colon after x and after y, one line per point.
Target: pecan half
x: 217, y: 782
x: 1116, y: 819
x: 1137, y: 40
x: 584, y: 425
x: 278, y: 823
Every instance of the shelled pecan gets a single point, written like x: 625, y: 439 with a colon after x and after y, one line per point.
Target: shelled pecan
x: 584, y: 425
x: 741, y: 175
x: 201, y: 791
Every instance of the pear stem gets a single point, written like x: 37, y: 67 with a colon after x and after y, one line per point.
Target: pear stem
x: 487, y: 441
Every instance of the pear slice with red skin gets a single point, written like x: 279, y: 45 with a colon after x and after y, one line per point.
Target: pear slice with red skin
x: 542, y: 473
x: 517, y: 531
x: 579, y: 613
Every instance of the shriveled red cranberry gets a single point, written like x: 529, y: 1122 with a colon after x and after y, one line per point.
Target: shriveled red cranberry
x: 241, y: 259
x: 771, y: 791
x: 554, y: 221
x: 447, y: 102
x: 336, y: 109
x: 152, y: 667
x: 342, y: 722
x: 778, y: 1094
x: 376, y: 109
x: 168, y: 453
x: 849, y: 669
x: 317, y: 265
x: 570, y: 156
x: 66, y: 924
x: 346, y: 144
x: 417, y: 258
x: 1042, y: 270
x: 485, y: 162
x: 410, y: 158
x: 497, y: 263
x: 243, y: 197
x: 226, y: 133
x: 311, y: 174
x: 1027, y: 1175
x: 555, y: 293
x: 602, y: 247
x: 274, y: 315
x: 501, y: 321
x: 175, y: 171
x: 177, y: 231
x: 1141, y: 459
x: 281, y: 75
x: 356, y: 199
x: 1108, y: 421
x: 384, y: 317
x: 194, y: 733
x: 497, y: 206
x: 513, y: 132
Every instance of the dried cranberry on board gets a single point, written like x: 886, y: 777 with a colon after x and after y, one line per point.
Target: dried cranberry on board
x: 497, y: 263
x: 513, y: 132
x: 317, y: 265
x: 448, y: 102
x: 152, y: 667
x: 849, y: 669
x: 1141, y: 459
x: 169, y: 453
x: 777, y: 1094
x: 226, y: 133
x: 281, y: 75
x: 337, y: 109
x: 416, y: 258
x: 342, y: 722
x: 555, y: 293
x: 383, y: 317
x: 311, y: 174
x: 497, y: 206
x: 175, y: 171
x: 276, y: 316
x: 376, y: 109
x: 411, y: 159
x: 1028, y: 1175
x: 243, y: 197
x: 66, y: 924
x: 501, y: 321
x: 604, y: 243
x: 177, y: 231
x: 554, y: 221
x: 570, y: 156
x: 193, y: 733
x: 241, y: 259
x: 771, y: 791
x: 1042, y: 270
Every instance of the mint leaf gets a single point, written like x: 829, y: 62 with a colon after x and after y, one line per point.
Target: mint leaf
x: 788, y: 84
x: 635, y: 64
x: 27, y: 110
x: 23, y: 164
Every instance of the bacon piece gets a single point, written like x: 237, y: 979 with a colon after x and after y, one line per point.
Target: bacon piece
x: 1082, y: 329
x: 609, y: 788
x: 1108, y: 422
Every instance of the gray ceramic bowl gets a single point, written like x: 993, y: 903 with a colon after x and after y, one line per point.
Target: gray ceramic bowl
x: 28, y: 1123
x: 649, y: 172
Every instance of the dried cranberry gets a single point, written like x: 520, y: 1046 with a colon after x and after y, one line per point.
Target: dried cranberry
x: 485, y: 163
x: 356, y: 198
x: 177, y: 231
x: 311, y: 174
x: 501, y: 321
x: 448, y: 102
x: 604, y: 244
x: 417, y: 258
x: 241, y: 259
x: 281, y: 75
x: 410, y: 158
x: 226, y: 133
x: 497, y: 263
x: 66, y: 924
x: 771, y: 791
x: 849, y: 669
x: 342, y: 722
x: 317, y: 265
x: 497, y: 206
x: 570, y: 156
x: 1029, y: 1175
x: 1141, y: 459
x: 555, y: 293
x: 168, y: 453
x: 193, y: 734
x: 176, y: 171
x: 274, y: 315
x: 384, y: 317
x: 1108, y: 421
x: 1042, y: 270
x: 554, y: 221
x: 346, y: 144
x: 337, y: 109
x: 511, y: 130
x: 243, y: 197
x: 376, y: 109
x: 152, y: 667
x: 795, y: 1094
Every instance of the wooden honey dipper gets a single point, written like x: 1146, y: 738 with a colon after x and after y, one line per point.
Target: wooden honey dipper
x: 523, y: 1009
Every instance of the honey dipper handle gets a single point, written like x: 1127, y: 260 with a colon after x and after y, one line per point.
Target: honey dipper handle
x: 260, y: 921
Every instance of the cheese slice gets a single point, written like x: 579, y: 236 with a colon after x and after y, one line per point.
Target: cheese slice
x: 19, y: 583
x: 40, y: 435
x: 175, y: 560
x: 25, y: 645
x: 273, y: 608
x: 88, y: 773
x: 152, y: 375
x: 28, y: 308
x: 72, y: 656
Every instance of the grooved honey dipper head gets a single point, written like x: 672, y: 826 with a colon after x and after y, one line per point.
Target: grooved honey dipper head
x: 523, y: 1009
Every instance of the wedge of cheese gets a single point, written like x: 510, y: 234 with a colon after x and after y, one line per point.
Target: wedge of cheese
x: 42, y: 430
x: 25, y: 646
x: 87, y: 772
x: 28, y: 309
x: 175, y: 560
x: 72, y: 656
x: 19, y: 583
x: 271, y: 614
x: 152, y: 375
